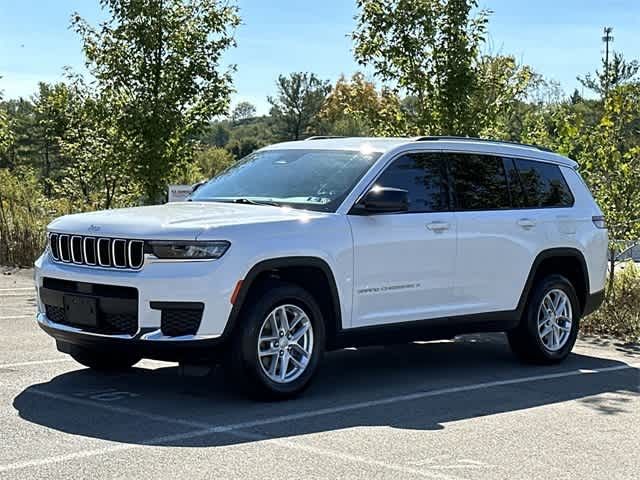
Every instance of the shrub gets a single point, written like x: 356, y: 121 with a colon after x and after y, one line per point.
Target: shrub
x: 213, y: 160
x: 619, y: 315
x: 24, y: 214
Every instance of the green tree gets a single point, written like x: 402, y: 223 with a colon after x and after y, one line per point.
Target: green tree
x: 51, y: 116
x: 6, y: 137
x: 98, y: 172
x: 213, y: 160
x: 618, y: 72
x: 428, y: 49
x: 502, y: 85
x: 22, y: 148
x: 295, y: 109
x: 242, y: 112
x: 355, y: 107
x: 156, y: 63
x: 217, y: 134
x: 241, y: 147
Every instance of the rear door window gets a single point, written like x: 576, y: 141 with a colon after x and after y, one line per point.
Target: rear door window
x: 480, y: 181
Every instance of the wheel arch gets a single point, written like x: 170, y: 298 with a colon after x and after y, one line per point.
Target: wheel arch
x: 569, y: 262
x: 312, y: 273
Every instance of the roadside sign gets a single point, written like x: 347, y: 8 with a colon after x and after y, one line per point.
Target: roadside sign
x: 179, y: 193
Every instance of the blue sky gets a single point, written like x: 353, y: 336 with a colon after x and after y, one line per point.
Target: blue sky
x: 559, y: 38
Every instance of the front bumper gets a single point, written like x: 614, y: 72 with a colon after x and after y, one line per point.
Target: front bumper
x: 156, y: 284
x: 192, y: 350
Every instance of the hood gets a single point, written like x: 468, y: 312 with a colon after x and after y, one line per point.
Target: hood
x: 175, y: 221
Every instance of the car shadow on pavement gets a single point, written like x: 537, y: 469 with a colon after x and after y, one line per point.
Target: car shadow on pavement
x: 418, y: 386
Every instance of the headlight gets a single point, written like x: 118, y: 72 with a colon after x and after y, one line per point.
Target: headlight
x: 187, y: 250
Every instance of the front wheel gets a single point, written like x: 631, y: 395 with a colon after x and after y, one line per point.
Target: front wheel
x: 549, y: 327
x: 278, y: 345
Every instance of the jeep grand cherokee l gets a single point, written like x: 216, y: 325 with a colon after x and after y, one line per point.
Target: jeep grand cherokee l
x: 308, y: 246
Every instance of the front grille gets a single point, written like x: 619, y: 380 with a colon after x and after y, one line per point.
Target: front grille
x: 117, y: 306
x: 96, y: 251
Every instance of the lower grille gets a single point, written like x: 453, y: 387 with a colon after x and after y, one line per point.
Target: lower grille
x: 119, y: 323
x: 109, y: 323
x: 179, y: 318
x: 117, y: 306
x: 55, y: 314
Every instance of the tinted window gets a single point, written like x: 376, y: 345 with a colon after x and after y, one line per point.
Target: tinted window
x: 543, y: 184
x: 480, y: 181
x: 311, y: 179
x: 515, y: 184
x: 421, y: 175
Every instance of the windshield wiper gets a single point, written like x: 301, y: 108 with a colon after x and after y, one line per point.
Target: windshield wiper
x: 242, y: 200
x: 248, y: 201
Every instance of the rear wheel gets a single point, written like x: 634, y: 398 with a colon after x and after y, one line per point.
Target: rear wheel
x: 279, y: 342
x: 549, y: 327
x: 104, y: 361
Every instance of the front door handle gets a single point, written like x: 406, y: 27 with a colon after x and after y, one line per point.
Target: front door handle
x: 438, y: 226
x: 527, y: 223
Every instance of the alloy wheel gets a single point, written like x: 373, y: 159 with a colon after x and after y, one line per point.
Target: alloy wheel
x: 555, y: 317
x: 285, y: 343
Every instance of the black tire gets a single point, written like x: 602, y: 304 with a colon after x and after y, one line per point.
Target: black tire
x: 242, y: 365
x: 525, y: 341
x: 105, y: 361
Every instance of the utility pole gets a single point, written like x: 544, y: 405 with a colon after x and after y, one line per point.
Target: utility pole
x: 606, y: 38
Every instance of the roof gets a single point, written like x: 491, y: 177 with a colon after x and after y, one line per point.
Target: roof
x: 376, y: 144
x: 464, y: 144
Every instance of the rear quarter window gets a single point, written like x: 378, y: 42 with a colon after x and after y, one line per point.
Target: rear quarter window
x: 543, y: 185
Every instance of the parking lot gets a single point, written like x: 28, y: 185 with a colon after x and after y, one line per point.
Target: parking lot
x: 461, y: 409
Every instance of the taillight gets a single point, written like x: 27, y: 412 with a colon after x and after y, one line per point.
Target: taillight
x: 599, y: 221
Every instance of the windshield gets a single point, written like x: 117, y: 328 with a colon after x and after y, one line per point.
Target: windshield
x: 309, y: 179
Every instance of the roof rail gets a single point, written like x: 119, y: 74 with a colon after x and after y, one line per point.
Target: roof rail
x: 475, y: 139
x: 324, y: 137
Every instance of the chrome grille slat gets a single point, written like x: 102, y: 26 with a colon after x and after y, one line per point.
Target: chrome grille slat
x: 53, y: 246
x: 76, y: 249
x: 102, y: 252
x: 89, y: 250
x: 135, y: 254
x: 64, y: 249
x: 102, y: 261
x: 119, y: 252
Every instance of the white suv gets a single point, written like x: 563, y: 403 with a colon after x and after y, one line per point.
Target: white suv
x: 325, y: 243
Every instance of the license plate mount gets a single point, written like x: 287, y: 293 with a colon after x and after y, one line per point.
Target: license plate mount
x: 81, y: 311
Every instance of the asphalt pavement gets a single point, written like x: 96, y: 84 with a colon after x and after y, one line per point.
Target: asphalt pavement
x: 463, y: 409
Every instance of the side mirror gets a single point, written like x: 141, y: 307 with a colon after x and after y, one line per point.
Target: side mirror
x: 383, y: 200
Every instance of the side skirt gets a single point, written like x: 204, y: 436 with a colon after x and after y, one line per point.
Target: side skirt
x: 431, y: 329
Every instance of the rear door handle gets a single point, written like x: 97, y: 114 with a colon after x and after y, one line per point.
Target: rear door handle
x: 438, y: 226
x: 526, y: 223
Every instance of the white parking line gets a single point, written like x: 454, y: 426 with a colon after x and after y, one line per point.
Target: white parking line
x: 206, y: 429
x: 17, y: 288
x: 342, y: 456
x: 18, y: 317
x: 35, y: 362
